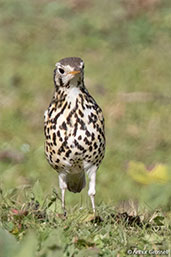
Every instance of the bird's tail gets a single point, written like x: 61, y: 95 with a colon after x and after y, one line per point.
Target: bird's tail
x: 76, y: 182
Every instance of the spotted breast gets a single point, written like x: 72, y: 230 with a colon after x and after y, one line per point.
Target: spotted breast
x: 74, y: 129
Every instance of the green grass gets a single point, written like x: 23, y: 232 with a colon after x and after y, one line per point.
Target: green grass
x: 127, y: 54
x: 43, y: 231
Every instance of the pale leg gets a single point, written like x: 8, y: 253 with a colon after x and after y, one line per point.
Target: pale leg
x: 63, y: 187
x: 92, y: 185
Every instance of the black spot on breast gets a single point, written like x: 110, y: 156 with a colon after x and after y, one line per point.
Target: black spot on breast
x: 81, y: 113
x: 88, y: 106
x: 58, y: 133
x: 99, y: 150
x: 100, y: 130
x: 90, y: 148
x: 87, y: 133
x: 63, y: 126
x: 66, y: 138
x: 95, y: 145
x: 80, y: 137
x: 60, y: 113
x: 61, y: 149
x: 101, y: 154
x: 59, y: 105
x: 99, y: 138
x: 68, y: 153
x: 90, y: 119
x: 75, y: 129
x: 92, y: 136
x: 86, y: 141
x: 54, y: 138
x: 45, y: 130
x: 94, y: 117
x: 78, y: 145
x: 82, y: 101
x: 50, y: 113
x: 82, y: 123
x: 75, y: 142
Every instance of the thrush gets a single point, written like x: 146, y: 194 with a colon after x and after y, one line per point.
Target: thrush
x: 74, y: 130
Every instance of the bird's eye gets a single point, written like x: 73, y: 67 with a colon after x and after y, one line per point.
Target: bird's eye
x: 61, y: 70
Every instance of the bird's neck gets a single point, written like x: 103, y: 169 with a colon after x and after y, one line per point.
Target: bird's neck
x: 72, y: 88
x: 69, y: 94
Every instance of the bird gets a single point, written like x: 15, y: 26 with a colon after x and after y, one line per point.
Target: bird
x: 74, y: 130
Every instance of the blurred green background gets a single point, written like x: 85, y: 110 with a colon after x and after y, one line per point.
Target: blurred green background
x: 126, y: 47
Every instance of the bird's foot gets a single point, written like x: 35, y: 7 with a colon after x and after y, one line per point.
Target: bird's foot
x: 65, y: 213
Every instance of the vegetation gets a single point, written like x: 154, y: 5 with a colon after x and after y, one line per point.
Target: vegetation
x: 127, y: 54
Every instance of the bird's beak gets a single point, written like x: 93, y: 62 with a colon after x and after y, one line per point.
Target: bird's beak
x: 74, y: 72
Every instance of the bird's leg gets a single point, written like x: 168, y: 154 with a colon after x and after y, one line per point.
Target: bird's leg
x: 93, y: 203
x: 63, y: 186
x: 63, y: 200
x: 92, y: 185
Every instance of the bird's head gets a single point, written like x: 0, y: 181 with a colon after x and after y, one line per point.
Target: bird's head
x: 69, y: 72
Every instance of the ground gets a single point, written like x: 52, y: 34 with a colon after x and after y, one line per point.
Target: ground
x: 126, y: 49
